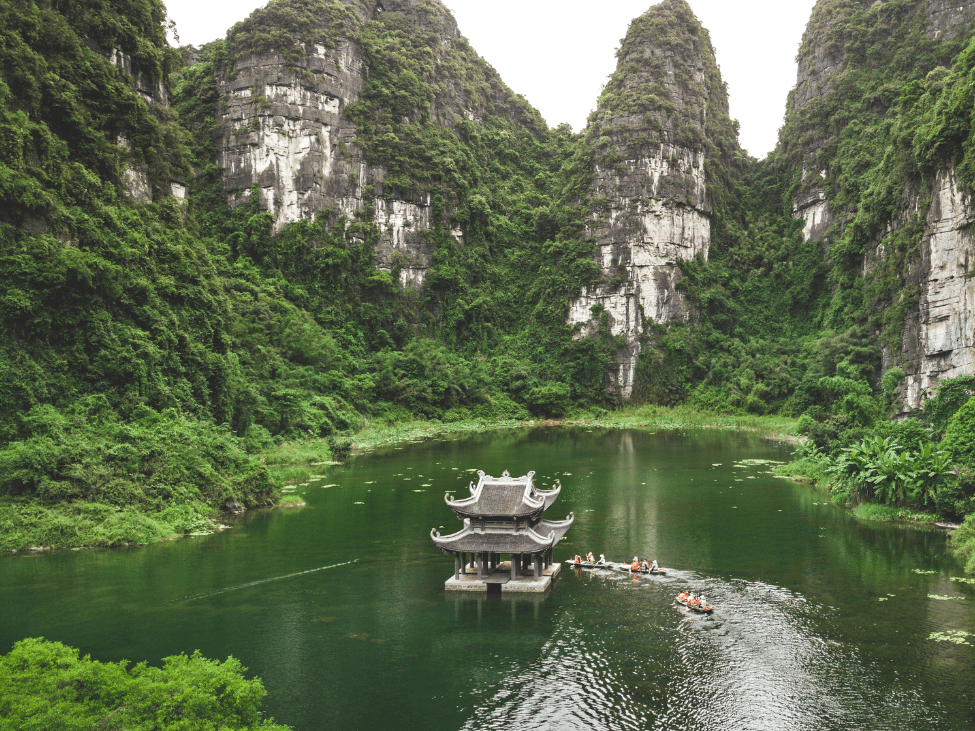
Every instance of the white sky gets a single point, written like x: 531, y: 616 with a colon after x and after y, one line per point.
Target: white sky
x: 558, y: 53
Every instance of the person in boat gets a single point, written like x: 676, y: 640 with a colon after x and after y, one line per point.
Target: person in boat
x: 654, y: 566
x: 690, y: 598
x: 635, y: 566
x: 682, y: 596
x: 602, y: 560
x: 697, y: 602
x: 646, y: 565
x: 590, y: 558
x: 702, y: 602
x: 577, y: 560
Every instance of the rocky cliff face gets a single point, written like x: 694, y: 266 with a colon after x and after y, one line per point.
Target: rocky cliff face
x: 649, y: 199
x: 939, y: 335
x: 285, y: 135
x: 285, y: 130
x: 135, y: 176
x: 939, y: 340
x: 948, y: 17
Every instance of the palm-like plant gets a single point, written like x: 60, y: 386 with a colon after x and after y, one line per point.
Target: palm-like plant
x: 884, y: 469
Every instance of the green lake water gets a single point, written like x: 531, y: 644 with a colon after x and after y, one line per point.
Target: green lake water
x: 822, y: 622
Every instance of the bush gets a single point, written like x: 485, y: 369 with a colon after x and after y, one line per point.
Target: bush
x: 909, y: 433
x: 952, y: 394
x: 550, y: 400
x: 959, y: 441
x: 882, y: 468
x: 963, y: 543
x: 957, y: 498
x: 87, y: 453
x: 46, y: 685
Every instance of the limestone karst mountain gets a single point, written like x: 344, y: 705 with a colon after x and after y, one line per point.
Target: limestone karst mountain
x: 341, y: 213
x: 662, y: 134
x: 930, y: 333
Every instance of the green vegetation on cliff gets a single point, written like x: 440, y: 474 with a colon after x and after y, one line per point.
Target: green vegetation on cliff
x: 156, y: 351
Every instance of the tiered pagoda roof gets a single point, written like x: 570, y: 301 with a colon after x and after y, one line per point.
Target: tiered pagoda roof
x: 503, y: 515
x: 504, y: 497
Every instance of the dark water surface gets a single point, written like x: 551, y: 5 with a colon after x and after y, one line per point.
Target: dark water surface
x: 821, y: 623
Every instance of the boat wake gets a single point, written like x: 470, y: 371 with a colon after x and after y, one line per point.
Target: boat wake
x: 261, y: 581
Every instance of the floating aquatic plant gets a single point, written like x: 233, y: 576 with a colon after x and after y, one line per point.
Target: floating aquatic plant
x: 944, y: 598
x: 924, y: 571
x: 963, y: 580
x: 957, y: 636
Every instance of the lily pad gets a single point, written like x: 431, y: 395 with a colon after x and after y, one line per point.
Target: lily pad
x: 957, y: 636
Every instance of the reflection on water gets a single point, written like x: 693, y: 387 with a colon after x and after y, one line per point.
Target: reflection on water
x: 821, y: 622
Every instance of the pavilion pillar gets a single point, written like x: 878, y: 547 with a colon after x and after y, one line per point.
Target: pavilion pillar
x: 480, y: 565
x: 456, y: 567
x: 463, y: 562
x: 514, y: 567
x: 537, y: 566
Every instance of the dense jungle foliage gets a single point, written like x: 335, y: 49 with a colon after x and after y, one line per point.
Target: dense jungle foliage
x: 46, y: 685
x: 156, y: 351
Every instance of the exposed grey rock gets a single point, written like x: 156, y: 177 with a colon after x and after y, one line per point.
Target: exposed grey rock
x: 135, y: 177
x: 284, y: 129
x: 948, y: 17
x: 649, y: 197
x: 939, y: 342
x: 233, y: 507
x: 939, y: 338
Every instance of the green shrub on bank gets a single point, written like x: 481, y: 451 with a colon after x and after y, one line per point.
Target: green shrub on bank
x: 959, y: 439
x: 883, y: 469
x: 963, y: 542
x: 26, y: 523
x: 150, y: 461
x: 46, y: 685
x: 87, y: 477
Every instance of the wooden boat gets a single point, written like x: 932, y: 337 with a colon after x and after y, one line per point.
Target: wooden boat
x: 699, y: 610
x: 628, y: 569
x: 589, y: 565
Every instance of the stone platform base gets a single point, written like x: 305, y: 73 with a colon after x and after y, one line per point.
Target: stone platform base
x: 501, y: 577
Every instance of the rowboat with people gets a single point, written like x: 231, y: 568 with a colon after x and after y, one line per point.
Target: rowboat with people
x: 628, y: 568
x: 687, y: 600
x: 589, y: 564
